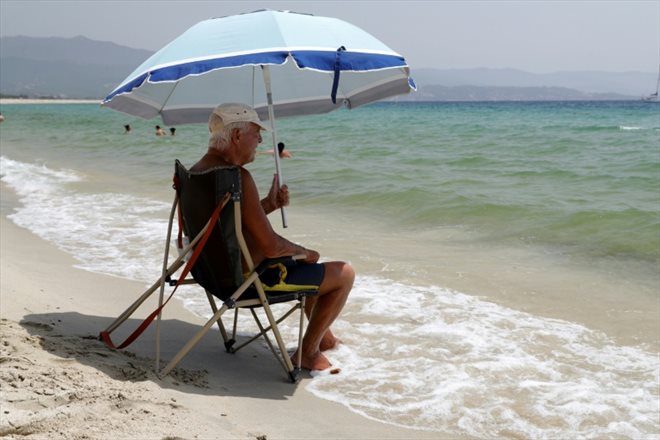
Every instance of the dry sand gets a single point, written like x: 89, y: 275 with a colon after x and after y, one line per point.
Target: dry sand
x: 59, y: 382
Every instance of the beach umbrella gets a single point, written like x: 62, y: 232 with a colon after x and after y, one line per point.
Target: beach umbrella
x: 281, y: 63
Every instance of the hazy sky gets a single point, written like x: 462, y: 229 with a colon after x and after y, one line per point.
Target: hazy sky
x: 537, y: 36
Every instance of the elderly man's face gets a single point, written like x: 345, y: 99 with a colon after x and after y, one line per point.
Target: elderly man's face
x: 249, y: 140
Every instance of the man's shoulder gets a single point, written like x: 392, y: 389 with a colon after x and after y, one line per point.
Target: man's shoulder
x: 208, y: 162
x: 245, y: 174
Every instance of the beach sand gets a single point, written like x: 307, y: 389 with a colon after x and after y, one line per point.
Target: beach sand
x: 58, y: 381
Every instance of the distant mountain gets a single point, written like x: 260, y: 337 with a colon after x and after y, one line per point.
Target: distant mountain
x: 64, y: 67
x: 82, y: 68
x: 476, y: 93
x: 634, y: 84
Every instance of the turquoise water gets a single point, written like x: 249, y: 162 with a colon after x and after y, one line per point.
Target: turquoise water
x: 582, y: 177
x: 507, y: 253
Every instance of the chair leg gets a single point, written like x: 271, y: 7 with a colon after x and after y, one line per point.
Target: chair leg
x: 216, y: 316
x: 293, y: 376
x: 235, y: 327
x: 262, y: 296
x: 133, y: 307
x: 267, y: 329
x: 163, y: 276
x: 176, y: 265
x: 227, y: 341
x: 264, y: 332
x: 192, y: 342
x: 300, y: 333
x: 270, y: 344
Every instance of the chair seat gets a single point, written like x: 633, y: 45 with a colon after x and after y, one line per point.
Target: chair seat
x: 275, y: 297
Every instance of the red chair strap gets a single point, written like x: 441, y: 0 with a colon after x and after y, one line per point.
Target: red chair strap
x: 105, y: 336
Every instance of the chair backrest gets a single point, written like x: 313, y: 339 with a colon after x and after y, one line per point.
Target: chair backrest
x: 219, y: 267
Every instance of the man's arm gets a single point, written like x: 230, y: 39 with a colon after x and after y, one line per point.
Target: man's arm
x: 277, y: 197
x: 268, y: 243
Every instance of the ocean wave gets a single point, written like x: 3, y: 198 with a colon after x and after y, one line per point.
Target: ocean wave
x: 110, y: 233
x: 435, y: 359
x: 430, y: 358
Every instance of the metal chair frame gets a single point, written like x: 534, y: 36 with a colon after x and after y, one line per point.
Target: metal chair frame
x: 233, y: 302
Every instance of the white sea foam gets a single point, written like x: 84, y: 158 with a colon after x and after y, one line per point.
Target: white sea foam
x: 416, y: 356
x: 108, y: 233
x: 436, y: 359
x: 625, y: 127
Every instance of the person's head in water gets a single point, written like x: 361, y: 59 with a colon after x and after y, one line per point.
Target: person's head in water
x: 173, y: 131
x: 280, y: 147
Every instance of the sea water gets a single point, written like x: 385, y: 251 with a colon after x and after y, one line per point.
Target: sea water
x: 507, y: 253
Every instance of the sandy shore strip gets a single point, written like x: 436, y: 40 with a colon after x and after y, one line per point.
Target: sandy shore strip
x: 48, y: 101
x: 59, y: 382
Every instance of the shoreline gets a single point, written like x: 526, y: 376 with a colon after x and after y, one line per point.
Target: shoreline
x: 12, y: 101
x: 59, y: 381
x: 8, y: 101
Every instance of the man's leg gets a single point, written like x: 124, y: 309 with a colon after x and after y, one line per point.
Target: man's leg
x: 329, y: 340
x: 322, y: 312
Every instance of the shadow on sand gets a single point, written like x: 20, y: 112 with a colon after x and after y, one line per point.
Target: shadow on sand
x: 207, y: 369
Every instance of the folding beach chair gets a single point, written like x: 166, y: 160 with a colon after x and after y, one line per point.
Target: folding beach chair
x: 210, y: 217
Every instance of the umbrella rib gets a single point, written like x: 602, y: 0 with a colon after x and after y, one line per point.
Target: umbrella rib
x: 176, y: 84
x: 254, y: 73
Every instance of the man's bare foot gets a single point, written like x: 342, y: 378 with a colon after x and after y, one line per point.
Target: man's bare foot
x: 316, y: 361
x: 329, y: 341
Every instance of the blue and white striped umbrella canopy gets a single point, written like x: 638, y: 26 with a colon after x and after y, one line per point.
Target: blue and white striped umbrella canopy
x: 316, y: 64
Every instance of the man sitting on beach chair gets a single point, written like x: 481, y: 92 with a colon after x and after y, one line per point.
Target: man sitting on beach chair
x: 235, y: 134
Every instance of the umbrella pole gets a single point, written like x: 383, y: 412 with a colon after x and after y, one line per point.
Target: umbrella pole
x: 271, y: 116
